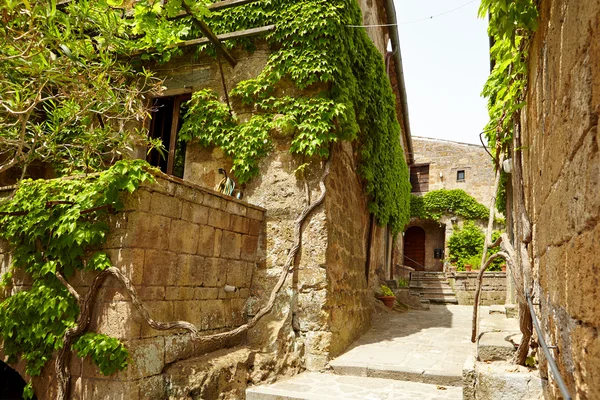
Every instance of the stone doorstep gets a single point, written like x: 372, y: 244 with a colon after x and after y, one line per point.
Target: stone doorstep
x: 315, y: 386
x: 501, y: 380
x: 497, y: 309
x: 398, y: 373
x: 494, y: 346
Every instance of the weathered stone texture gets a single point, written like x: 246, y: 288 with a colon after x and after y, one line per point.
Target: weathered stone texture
x: 561, y: 174
x: 446, y: 158
x: 493, y: 288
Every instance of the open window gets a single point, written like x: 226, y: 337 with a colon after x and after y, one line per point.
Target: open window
x: 167, y: 115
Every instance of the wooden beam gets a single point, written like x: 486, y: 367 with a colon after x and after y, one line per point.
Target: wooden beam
x: 225, y: 36
x: 211, y: 36
x: 228, y: 36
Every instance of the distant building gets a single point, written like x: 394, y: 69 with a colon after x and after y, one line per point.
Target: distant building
x: 443, y: 164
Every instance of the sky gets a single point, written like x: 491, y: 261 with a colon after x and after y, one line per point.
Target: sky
x: 446, y: 63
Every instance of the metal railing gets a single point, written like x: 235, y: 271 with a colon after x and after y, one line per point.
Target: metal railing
x: 557, y: 377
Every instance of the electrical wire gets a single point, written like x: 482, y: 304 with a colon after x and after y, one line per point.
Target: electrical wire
x: 413, y: 21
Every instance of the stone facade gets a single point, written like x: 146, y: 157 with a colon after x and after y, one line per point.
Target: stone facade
x: 179, y: 245
x: 493, y: 288
x: 562, y: 186
x: 446, y: 158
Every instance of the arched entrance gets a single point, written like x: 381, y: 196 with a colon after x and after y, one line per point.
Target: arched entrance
x: 414, y: 248
x: 11, y: 383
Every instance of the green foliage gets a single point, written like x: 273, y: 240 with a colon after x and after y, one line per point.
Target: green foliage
x: 511, y: 25
x: 465, y: 246
x: 384, y: 290
x: 106, y: 352
x: 403, y: 282
x: 355, y: 102
x: 433, y: 205
x: 64, y: 219
x: 65, y: 99
x: 501, y: 194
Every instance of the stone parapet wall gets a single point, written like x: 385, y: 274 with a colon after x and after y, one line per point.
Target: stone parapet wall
x: 493, y: 289
x: 562, y: 187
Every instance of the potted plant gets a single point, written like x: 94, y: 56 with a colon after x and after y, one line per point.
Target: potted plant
x: 386, y: 296
x: 503, y: 267
x: 472, y: 262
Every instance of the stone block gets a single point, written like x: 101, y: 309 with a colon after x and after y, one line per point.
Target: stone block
x: 147, y: 230
x: 188, y: 193
x: 168, y: 206
x: 254, y: 227
x: 212, y: 314
x: 213, y: 201
x: 129, y: 261
x: 179, y: 293
x: 253, y: 213
x: 119, y: 319
x: 468, y: 375
x: 219, y: 219
x: 147, y: 357
x: 151, y: 293
x: 236, y: 274
x: 235, y: 312
x: 239, y: 224
x: 160, y: 268
x: 161, y: 311
x: 195, y: 213
x: 233, y: 207
x: 109, y: 390
x: 231, y: 245
x: 137, y: 201
x: 215, y: 272
x: 249, y: 248
x: 206, y: 293
x: 191, y: 270
x: 206, y: 241
x: 153, y: 388
x: 178, y: 347
x: 184, y: 237
x: 218, y: 238
x: 493, y: 346
x: 188, y: 310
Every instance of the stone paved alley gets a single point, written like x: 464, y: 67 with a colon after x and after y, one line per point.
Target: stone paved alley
x: 421, y: 353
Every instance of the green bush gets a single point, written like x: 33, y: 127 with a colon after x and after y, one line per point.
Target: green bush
x: 466, y: 247
x: 402, y: 282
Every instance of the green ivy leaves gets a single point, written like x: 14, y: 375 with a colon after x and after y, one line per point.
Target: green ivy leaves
x: 52, y: 225
x: 433, y: 205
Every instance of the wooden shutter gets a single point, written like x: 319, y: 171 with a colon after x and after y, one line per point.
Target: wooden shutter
x: 419, y: 178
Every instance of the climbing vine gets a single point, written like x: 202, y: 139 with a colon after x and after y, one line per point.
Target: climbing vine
x: 312, y: 47
x: 433, y: 205
x: 510, y: 27
x: 53, y: 227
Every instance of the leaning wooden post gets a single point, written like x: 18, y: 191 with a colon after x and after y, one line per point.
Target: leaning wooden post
x: 486, y: 244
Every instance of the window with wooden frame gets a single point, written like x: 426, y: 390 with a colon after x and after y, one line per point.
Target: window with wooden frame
x: 460, y: 175
x: 419, y: 178
x: 166, y: 121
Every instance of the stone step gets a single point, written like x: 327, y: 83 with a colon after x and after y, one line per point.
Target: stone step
x: 432, y: 291
x: 324, y: 386
x: 443, y: 300
x: 431, y: 287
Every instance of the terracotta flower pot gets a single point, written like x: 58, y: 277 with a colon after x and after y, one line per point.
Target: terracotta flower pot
x: 388, y: 300
x: 503, y: 266
x: 468, y: 267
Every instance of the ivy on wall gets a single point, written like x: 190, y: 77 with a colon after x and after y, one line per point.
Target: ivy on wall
x: 433, y: 205
x: 312, y: 44
x: 511, y: 25
x: 54, y: 227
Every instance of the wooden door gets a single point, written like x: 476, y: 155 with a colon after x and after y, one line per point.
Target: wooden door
x: 414, y: 248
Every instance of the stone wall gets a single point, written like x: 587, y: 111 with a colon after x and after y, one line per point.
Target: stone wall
x: 561, y: 175
x: 493, y: 288
x: 179, y: 245
x: 446, y: 158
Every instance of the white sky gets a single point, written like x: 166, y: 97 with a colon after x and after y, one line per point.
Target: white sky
x: 446, y: 63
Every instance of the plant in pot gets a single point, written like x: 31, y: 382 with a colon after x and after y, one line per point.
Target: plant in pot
x: 472, y: 262
x: 386, y: 296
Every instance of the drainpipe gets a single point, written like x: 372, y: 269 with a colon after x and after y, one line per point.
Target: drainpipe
x: 397, y: 56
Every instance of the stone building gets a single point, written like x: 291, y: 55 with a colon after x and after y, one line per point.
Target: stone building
x: 561, y: 170
x: 443, y: 164
x: 181, y: 243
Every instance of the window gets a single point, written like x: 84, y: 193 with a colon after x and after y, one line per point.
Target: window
x: 166, y: 121
x: 419, y: 178
x: 460, y: 175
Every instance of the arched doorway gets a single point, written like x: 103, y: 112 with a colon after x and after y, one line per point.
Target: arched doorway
x: 11, y: 383
x: 414, y: 248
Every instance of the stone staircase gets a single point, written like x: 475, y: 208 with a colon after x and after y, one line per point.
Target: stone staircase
x: 433, y: 286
